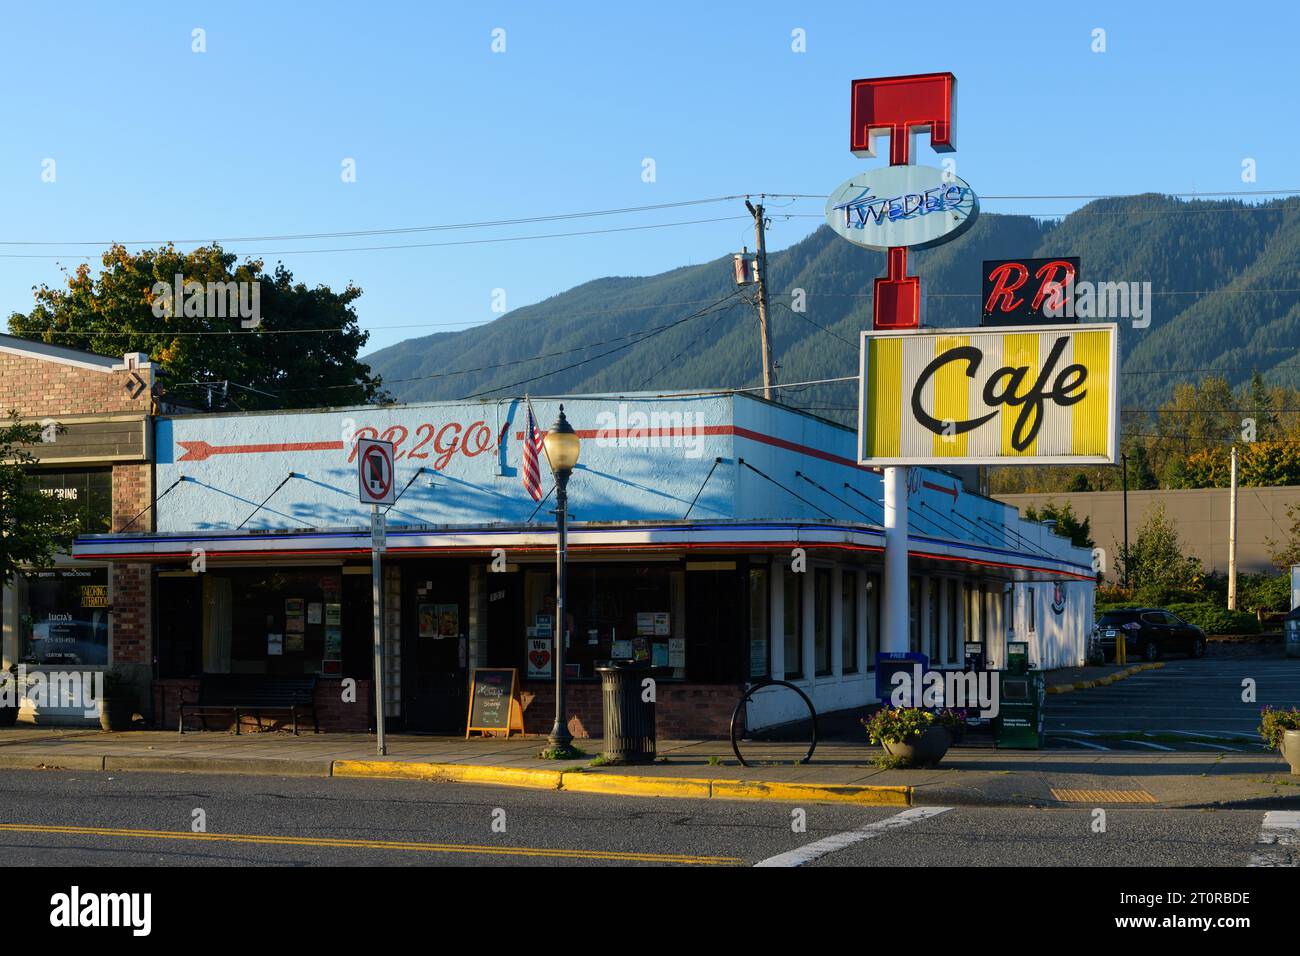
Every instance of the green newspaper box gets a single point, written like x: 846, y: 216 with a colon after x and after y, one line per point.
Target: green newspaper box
x: 1021, y: 694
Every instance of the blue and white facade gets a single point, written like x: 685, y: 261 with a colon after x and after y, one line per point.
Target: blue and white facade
x: 723, y: 537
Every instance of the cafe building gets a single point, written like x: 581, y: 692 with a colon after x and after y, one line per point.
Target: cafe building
x: 718, y: 537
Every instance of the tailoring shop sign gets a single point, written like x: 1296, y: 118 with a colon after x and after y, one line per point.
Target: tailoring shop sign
x: 902, y: 206
x: 1043, y: 395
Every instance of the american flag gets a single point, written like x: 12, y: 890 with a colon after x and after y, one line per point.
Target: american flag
x: 532, y: 445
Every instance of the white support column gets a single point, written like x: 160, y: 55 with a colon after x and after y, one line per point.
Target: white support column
x: 895, y: 625
x: 776, y: 619
x: 837, y: 620
x: 945, y: 619
x: 925, y: 642
x: 809, y: 625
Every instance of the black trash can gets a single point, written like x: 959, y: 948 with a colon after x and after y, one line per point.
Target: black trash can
x: 629, y: 720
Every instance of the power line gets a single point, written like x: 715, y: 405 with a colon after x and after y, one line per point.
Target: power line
x: 413, y: 245
x: 378, y: 232
x: 661, y: 329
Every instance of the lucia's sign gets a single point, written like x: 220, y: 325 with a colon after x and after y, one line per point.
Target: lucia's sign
x: 1036, y: 395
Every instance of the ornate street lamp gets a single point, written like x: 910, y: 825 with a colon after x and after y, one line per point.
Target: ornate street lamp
x: 562, y: 449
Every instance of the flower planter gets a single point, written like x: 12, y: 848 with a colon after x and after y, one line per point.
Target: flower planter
x: 923, y: 751
x: 1290, y: 748
x: 116, y: 713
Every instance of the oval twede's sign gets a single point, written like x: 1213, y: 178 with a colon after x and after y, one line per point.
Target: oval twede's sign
x: 916, y: 206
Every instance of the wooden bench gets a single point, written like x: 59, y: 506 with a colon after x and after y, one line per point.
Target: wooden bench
x: 254, y: 694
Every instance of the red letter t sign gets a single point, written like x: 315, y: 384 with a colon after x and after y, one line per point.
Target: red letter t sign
x: 901, y: 106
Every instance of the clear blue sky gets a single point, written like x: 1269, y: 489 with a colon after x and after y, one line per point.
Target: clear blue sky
x: 153, y: 142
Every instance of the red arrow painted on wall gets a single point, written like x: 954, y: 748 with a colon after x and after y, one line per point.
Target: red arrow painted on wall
x: 202, y: 451
x: 941, y: 489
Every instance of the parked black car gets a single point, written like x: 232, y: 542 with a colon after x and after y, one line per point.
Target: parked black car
x: 1148, y: 633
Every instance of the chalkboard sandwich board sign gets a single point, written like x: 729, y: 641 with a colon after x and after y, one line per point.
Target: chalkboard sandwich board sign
x: 494, y: 705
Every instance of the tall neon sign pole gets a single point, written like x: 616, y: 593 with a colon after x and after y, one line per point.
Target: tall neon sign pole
x: 900, y: 106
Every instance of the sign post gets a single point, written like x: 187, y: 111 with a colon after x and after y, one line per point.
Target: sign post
x: 936, y: 211
x: 375, y: 486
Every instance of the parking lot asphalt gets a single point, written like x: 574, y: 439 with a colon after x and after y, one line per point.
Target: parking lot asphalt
x: 1207, y: 704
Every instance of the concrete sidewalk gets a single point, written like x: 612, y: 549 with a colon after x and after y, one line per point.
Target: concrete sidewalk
x: 839, y: 772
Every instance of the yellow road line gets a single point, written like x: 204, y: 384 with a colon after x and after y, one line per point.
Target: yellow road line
x: 337, y: 843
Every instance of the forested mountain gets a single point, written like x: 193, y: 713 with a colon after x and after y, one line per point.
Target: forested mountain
x: 1225, y: 278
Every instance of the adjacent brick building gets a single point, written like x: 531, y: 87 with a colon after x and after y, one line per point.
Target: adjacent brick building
x: 96, y: 414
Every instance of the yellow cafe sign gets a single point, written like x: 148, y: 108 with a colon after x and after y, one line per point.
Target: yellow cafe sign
x: 1044, y: 395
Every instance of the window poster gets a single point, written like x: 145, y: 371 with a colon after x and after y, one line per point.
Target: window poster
x: 333, y: 615
x: 661, y: 625
x: 294, y: 641
x: 640, y: 649
x: 677, y: 652
x: 659, y: 654
x: 274, y: 645
x: 539, y: 657
x: 645, y: 623
x: 448, y: 620
x: 295, y: 615
x: 428, y: 621
x: 333, y: 643
x: 621, y: 650
x: 314, y: 612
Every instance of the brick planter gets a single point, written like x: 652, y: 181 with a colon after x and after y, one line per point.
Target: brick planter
x: 331, y: 711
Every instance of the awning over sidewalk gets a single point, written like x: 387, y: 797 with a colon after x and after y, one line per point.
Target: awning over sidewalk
x: 584, y: 539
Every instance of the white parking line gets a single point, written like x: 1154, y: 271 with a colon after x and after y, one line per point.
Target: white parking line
x: 1081, y: 743
x: 1281, y: 837
x: 818, y: 849
x: 1147, y: 743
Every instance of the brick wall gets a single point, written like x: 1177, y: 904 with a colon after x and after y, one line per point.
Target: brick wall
x: 682, y: 710
x: 333, y: 713
x: 36, y: 388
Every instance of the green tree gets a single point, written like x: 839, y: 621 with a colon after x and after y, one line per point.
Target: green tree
x: 1284, y: 554
x: 34, y: 527
x: 1067, y: 522
x: 1156, y: 566
x: 283, y: 362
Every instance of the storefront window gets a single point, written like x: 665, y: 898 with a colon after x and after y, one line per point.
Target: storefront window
x: 89, y: 489
x: 822, y: 620
x: 614, y: 613
x: 63, y: 616
x: 792, y: 591
x: 849, y: 621
x: 262, y: 621
x: 914, y: 614
x: 758, y: 631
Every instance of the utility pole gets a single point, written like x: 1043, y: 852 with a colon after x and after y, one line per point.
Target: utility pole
x: 1124, y: 462
x: 1232, y: 537
x: 761, y: 270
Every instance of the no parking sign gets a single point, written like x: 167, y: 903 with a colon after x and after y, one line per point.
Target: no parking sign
x: 375, y: 472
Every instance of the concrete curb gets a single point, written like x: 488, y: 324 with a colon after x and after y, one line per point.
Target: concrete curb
x: 1103, y: 681
x: 627, y: 785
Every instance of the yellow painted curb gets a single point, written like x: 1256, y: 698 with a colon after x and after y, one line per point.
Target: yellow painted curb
x: 874, y: 796
x: 630, y: 786
x: 450, y: 772
x: 1107, y: 680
